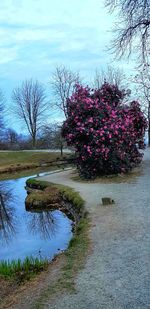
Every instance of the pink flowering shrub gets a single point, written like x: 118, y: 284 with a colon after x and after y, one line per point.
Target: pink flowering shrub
x: 105, y: 132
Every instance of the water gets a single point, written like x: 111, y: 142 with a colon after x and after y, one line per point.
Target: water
x: 22, y: 233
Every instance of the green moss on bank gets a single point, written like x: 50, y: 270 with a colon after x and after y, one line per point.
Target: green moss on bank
x: 67, y: 193
x: 36, y: 184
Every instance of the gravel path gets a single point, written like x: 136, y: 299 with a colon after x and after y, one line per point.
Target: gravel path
x: 117, y: 273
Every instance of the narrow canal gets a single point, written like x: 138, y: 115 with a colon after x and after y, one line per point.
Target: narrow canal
x: 39, y: 234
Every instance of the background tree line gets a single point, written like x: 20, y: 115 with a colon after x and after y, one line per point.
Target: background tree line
x: 34, y: 110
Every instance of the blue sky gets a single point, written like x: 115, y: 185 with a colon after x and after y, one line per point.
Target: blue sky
x: 36, y: 35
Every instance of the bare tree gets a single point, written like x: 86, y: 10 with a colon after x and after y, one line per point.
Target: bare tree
x: 2, y: 100
x: 63, y: 83
x: 133, y: 30
x: 30, y: 106
x: 111, y: 75
x: 142, y: 87
x: 45, y: 137
x: 51, y: 137
x: 58, y: 140
x: 12, y: 138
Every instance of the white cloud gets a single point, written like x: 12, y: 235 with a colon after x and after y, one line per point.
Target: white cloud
x: 7, y: 55
x: 46, y: 12
x: 36, y: 35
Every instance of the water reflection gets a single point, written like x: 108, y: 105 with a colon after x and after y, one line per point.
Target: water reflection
x: 7, y: 214
x: 24, y: 233
x: 44, y: 223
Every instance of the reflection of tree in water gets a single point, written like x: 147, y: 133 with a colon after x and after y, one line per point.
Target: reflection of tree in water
x: 43, y: 222
x: 7, y: 222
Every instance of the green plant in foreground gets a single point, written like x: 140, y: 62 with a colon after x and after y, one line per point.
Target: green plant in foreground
x: 22, y: 269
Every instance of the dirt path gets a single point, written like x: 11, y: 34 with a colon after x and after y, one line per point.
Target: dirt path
x: 117, y: 274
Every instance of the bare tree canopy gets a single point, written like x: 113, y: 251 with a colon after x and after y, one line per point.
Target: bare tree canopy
x: 63, y: 82
x: 142, y: 87
x: 51, y: 136
x: 30, y: 105
x: 134, y: 27
x: 1, y: 110
x: 111, y: 75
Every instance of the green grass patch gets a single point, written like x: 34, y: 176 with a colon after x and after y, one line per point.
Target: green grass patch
x: 73, y: 197
x: 36, y: 184
x: 23, y: 157
x: 66, y: 192
x: 14, y: 162
x: 22, y: 270
x: 29, y: 172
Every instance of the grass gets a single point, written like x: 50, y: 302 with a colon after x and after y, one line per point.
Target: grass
x: 37, y: 184
x: 15, y: 164
x: 30, y: 172
x: 23, y: 157
x: 17, y: 160
x: 73, y: 197
x: 66, y: 192
x: 22, y: 270
x: 76, y: 254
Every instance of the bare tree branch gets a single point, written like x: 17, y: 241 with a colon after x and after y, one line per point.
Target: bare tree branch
x: 30, y: 105
x: 133, y: 29
x: 63, y: 82
x: 142, y: 87
x: 111, y: 75
x: 2, y: 100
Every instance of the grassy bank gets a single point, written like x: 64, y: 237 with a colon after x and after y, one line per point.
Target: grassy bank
x: 15, y: 164
x: 26, y: 173
x: 67, y: 194
x: 22, y: 157
x: 79, y: 246
x: 74, y: 260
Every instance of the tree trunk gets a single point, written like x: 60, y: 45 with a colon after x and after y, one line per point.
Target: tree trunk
x: 61, y: 149
x: 149, y: 133
x: 33, y: 142
x: 149, y: 125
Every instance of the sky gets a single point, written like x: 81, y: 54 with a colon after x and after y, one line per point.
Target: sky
x: 36, y: 36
